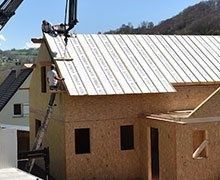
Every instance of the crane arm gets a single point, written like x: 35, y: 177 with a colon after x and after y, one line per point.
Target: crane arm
x: 72, y: 20
x: 7, y: 10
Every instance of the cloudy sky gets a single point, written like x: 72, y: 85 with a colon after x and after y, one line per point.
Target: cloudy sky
x: 93, y: 16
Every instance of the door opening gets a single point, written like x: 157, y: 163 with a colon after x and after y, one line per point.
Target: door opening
x: 154, y: 153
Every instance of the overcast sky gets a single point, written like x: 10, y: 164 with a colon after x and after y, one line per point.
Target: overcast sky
x: 93, y: 16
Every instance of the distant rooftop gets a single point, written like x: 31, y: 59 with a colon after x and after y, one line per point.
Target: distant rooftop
x: 11, y: 84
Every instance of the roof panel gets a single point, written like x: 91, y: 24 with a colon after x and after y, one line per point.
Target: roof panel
x: 131, y: 65
x: 180, y: 56
x: 109, y: 66
x: 86, y: 63
x: 124, y: 65
x: 109, y: 79
x: 203, y: 57
x: 89, y: 88
x: 111, y: 60
x: 179, y: 72
x: 157, y: 68
x: 149, y: 48
x: 189, y: 59
x: 186, y: 73
x: 94, y: 64
x: 152, y: 71
x: 145, y: 72
x: 194, y: 53
x: 212, y: 49
x: 174, y: 77
x: 128, y: 64
x: 163, y: 58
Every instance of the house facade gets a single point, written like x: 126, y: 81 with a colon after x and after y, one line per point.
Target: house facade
x: 14, y: 94
x: 14, y: 104
x: 103, y: 125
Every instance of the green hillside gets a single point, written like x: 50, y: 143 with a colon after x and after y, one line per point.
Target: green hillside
x: 15, y: 57
x: 202, y: 18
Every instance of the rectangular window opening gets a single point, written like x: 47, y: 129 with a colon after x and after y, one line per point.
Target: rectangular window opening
x: 127, y: 137
x: 82, y: 141
x: 199, y: 144
x: 43, y: 80
x: 17, y: 110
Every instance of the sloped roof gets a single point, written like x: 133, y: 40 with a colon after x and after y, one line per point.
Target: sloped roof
x: 127, y: 64
x: 11, y: 84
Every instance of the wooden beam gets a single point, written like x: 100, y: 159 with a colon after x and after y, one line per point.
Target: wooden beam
x: 200, y: 149
x: 37, y: 40
x: 45, y: 63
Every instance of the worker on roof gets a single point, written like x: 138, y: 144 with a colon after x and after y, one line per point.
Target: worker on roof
x: 60, y: 29
x: 48, y: 28
x: 53, y: 78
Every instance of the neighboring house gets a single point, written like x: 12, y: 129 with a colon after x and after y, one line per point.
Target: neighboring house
x: 8, y: 148
x: 8, y: 157
x: 131, y: 106
x: 14, y: 103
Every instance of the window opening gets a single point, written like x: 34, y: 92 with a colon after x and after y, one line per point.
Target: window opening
x: 82, y: 141
x: 127, y: 137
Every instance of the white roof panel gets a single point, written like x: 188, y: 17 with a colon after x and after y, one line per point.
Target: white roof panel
x: 16, y: 174
x: 134, y: 64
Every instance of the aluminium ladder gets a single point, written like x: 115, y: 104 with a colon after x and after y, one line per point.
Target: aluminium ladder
x: 41, y: 131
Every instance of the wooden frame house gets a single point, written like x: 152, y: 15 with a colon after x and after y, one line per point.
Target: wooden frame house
x: 131, y: 106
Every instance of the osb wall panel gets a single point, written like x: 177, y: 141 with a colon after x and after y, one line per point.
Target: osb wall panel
x: 167, y: 148
x: 127, y: 106
x: 198, y: 169
x: 39, y: 100
x: 104, y: 115
x: 144, y: 149
x: 107, y: 110
x: 106, y: 160
x: 54, y: 138
x: 210, y: 107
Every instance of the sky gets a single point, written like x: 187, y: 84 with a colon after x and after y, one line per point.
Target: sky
x: 94, y: 16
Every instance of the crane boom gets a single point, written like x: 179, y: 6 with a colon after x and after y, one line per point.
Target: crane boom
x: 7, y: 10
x: 72, y: 20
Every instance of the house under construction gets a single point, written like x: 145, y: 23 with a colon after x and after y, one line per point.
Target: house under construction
x: 134, y: 106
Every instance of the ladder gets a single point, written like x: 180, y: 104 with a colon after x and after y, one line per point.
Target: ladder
x: 41, y: 131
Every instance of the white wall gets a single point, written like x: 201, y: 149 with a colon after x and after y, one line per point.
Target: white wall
x: 20, y: 97
x: 8, y: 148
